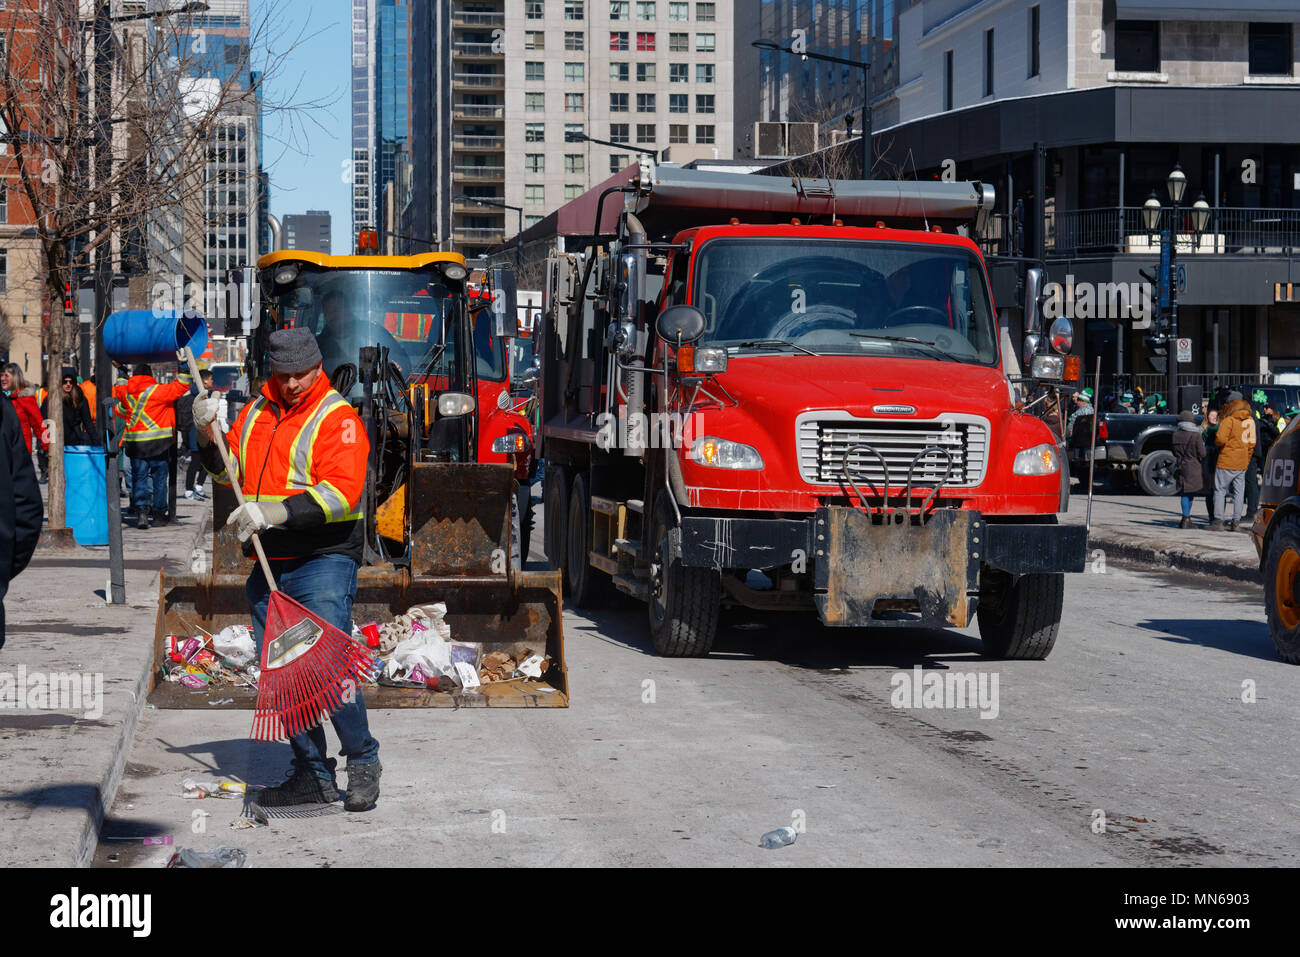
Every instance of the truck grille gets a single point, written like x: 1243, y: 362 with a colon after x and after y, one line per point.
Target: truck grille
x: 823, y: 442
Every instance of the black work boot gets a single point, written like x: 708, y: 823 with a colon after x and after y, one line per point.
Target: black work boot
x: 304, y: 786
x: 363, y: 786
x: 143, y: 521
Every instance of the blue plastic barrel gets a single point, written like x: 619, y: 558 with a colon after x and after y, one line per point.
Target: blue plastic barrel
x: 85, y: 496
x: 146, y: 335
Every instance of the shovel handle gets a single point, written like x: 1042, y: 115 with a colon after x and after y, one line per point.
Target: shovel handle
x: 220, y: 441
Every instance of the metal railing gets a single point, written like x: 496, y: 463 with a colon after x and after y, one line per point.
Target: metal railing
x: 479, y: 172
x: 477, y: 19
x: 488, y: 110
x: 480, y: 79
x: 482, y: 234
x: 1248, y: 230
x: 478, y: 142
x: 467, y: 48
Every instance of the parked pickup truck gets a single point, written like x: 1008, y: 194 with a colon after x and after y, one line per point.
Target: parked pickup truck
x: 1128, y: 442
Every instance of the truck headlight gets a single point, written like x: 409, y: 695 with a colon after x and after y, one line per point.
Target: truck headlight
x: 1040, y: 460
x: 723, y: 454
x: 1047, y: 367
x: 511, y: 443
x: 455, y: 403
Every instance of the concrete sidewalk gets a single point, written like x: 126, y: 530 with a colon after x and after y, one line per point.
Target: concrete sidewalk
x: 1144, y: 528
x: 64, y: 757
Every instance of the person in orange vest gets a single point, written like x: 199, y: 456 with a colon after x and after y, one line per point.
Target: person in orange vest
x: 300, y: 453
x: 150, y: 435
x: 92, y: 394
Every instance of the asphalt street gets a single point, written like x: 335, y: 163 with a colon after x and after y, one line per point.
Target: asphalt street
x: 1159, y: 732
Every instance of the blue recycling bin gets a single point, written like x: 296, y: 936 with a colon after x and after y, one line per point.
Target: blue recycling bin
x: 85, y: 496
x: 137, y: 336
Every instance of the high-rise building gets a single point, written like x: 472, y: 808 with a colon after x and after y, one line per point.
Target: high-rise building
x: 380, y: 73
x: 310, y: 230
x: 424, y: 202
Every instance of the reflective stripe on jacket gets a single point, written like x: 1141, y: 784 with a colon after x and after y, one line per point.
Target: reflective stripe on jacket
x: 150, y: 413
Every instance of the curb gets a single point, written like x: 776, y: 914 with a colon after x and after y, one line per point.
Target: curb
x: 1166, y: 558
x: 84, y: 852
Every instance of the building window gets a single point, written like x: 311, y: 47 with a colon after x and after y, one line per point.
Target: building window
x: 617, y: 162
x: 534, y: 70
x: 534, y: 102
x: 531, y: 220
x: 618, y: 72
x: 4, y: 203
x: 704, y: 103
x: 705, y: 42
x: 645, y: 10
x: 947, y: 80
x: 988, y: 62
x: 575, y: 40
x: 4, y: 270
x: 704, y: 73
x: 679, y: 133
x: 573, y: 103
x: 704, y: 134
x: 1034, y: 22
x: 706, y: 12
x: 645, y: 102
x: 535, y: 194
x: 645, y: 72
x: 534, y: 162
x: 618, y: 9
x: 575, y: 72
x: 575, y: 163
x: 572, y: 190
x: 645, y: 132
x: 618, y: 40
x: 645, y: 42
x: 573, y: 9
x: 679, y: 43
x: 618, y: 102
x: 574, y: 128
x: 679, y: 102
x: 679, y: 73
x: 534, y: 132
x: 1270, y: 49
x: 1137, y: 46
x: 679, y: 11
x: 534, y: 40
x: 618, y: 133
x: 535, y: 10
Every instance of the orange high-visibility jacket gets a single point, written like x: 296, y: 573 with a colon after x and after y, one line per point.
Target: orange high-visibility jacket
x: 150, y: 413
x: 313, y: 458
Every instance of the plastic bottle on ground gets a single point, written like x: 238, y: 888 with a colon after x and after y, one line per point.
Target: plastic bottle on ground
x: 778, y: 838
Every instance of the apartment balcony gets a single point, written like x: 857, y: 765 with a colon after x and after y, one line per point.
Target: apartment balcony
x: 478, y: 81
x: 464, y: 49
x: 474, y: 209
x: 476, y: 111
x: 477, y: 236
x: 465, y: 18
x: 1114, y: 230
x: 478, y: 174
x: 474, y: 142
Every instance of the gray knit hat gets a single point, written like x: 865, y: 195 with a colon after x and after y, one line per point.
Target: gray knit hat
x: 293, y: 350
x: 1235, y: 397
x: 1186, y: 416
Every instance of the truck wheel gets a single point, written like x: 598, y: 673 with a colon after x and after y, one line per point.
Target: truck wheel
x: 1019, y: 615
x: 1158, y: 473
x: 584, y: 581
x: 555, y: 505
x: 684, y: 601
x: 1282, y: 588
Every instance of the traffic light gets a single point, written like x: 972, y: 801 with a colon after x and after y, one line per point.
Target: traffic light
x: 69, y: 307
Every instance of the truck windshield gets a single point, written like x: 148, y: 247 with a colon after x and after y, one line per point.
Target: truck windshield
x: 846, y: 297
x: 409, y: 313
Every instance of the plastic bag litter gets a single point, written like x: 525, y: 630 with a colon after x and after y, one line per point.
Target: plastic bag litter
x: 222, y: 789
x: 235, y: 644
x: 220, y: 857
x: 425, y: 651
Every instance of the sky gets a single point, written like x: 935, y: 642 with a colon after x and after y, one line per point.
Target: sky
x: 307, y: 155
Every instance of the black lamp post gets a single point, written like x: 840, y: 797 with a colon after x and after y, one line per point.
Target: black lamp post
x: 868, y: 154
x: 584, y: 138
x: 519, y: 235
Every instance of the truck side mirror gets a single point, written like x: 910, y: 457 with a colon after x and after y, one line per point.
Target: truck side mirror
x: 1033, y: 301
x: 680, y: 324
x: 505, y: 302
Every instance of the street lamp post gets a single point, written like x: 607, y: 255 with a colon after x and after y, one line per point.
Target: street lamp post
x: 868, y: 154
x: 584, y: 138
x: 519, y: 234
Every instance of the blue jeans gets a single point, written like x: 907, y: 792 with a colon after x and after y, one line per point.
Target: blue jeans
x: 327, y: 585
x: 1187, y: 505
x: 147, y: 474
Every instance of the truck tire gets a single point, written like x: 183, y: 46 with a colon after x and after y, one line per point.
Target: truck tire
x: 555, y: 504
x: 1019, y: 615
x: 1282, y: 589
x: 585, y: 582
x: 516, y: 555
x: 1158, y: 473
x: 684, y: 602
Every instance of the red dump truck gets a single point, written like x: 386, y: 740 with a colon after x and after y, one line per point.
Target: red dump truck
x: 789, y: 394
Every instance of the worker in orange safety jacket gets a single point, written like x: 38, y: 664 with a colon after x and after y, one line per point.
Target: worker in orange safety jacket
x: 150, y: 435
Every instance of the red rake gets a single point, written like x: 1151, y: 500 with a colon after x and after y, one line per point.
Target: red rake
x: 309, y: 668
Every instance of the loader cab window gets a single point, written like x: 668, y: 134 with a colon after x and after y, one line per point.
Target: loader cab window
x: 489, y: 350
x: 675, y: 287
x: 913, y: 300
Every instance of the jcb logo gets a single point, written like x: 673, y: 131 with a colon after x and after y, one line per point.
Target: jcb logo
x: 1282, y: 473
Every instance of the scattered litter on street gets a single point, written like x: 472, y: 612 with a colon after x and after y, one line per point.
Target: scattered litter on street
x: 219, y: 789
x: 778, y: 838
x: 221, y: 857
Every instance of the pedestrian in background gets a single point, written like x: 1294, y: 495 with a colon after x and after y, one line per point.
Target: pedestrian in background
x: 23, y: 397
x: 1211, y: 459
x: 78, y: 426
x: 1236, y: 439
x: 21, y: 512
x: 1189, y: 456
x: 195, y: 472
x: 1266, y: 426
